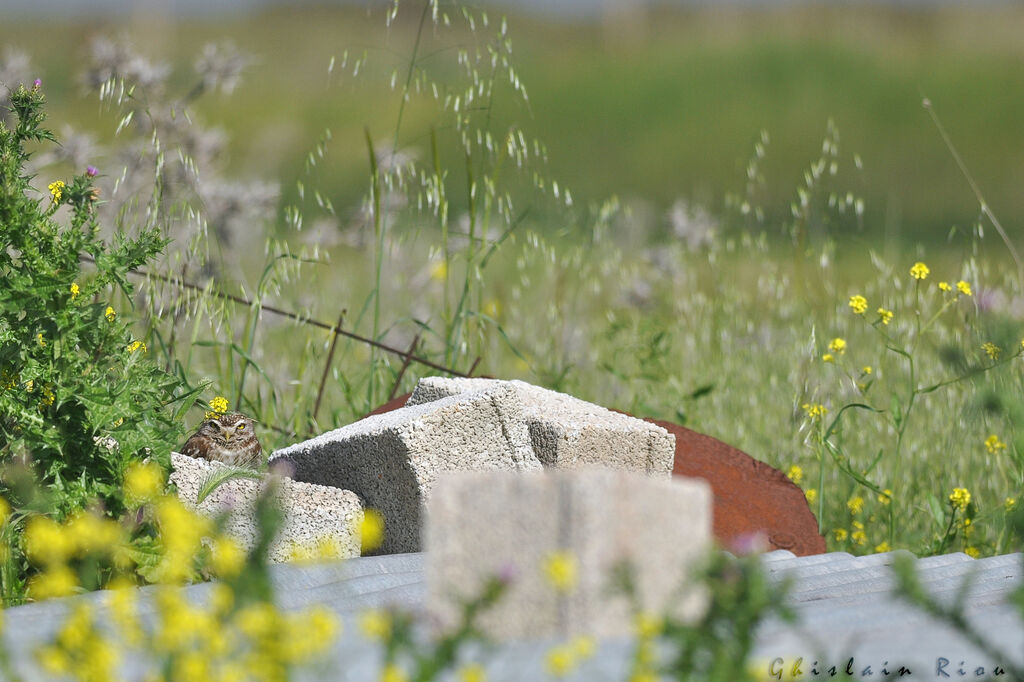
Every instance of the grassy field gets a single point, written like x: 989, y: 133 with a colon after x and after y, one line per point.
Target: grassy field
x: 673, y: 112
x: 729, y: 336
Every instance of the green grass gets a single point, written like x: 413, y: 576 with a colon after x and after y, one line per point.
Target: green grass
x: 674, y: 114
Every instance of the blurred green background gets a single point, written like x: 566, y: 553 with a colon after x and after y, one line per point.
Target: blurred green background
x: 653, y: 107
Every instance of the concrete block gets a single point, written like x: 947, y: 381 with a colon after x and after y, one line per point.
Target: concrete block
x: 313, y: 514
x: 392, y: 460
x: 481, y: 524
x: 567, y: 432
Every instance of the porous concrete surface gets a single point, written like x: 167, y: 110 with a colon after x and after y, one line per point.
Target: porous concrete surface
x: 482, y: 524
x: 392, y: 460
x: 315, y: 516
x: 567, y: 432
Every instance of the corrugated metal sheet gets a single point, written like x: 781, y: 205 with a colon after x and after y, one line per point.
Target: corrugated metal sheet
x: 844, y: 603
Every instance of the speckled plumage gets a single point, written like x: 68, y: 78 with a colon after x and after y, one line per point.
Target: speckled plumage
x: 229, y: 438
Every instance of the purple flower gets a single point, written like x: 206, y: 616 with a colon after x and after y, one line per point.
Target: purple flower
x: 37, y: 83
x: 90, y: 171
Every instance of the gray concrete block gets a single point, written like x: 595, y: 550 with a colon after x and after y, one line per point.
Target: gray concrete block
x: 481, y: 524
x: 567, y: 432
x: 392, y: 460
x: 313, y: 514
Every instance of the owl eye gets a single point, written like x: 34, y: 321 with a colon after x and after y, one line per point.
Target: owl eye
x: 241, y: 427
x: 213, y: 424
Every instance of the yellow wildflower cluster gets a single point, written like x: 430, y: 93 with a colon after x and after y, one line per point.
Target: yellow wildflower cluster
x: 136, y: 345
x: 371, y: 530
x: 51, y: 546
x: 991, y: 350
x: 56, y: 190
x: 561, y: 571
x: 1009, y: 504
x: 859, y: 304
x: 812, y: 495
x: 855, y: 504
x: 960, y: 498
x: 993, y: 444
x: 795, y: 474
x: 218, y: 406
x: 858, y: 535
x: 562, y: 659
x: 885, y: 497
x: 110, y: 314
x: 840, y: 534
x: 885, y: 316
x: 75, y: 290
x: 80, y: 649
x: 883, y: 547
x: 837, y: 345
x: 814, y: 410
x: 919, y: 271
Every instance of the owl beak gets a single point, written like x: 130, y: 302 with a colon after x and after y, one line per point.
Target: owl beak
x: 228, y: 433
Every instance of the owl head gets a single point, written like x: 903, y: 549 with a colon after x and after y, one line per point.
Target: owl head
x: 228, y: 427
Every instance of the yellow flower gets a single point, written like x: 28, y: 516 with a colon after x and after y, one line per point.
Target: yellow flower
x: 41, y: 340
x: 960, y: 498
x: 438, y: 271
x: 583, y: 646
x: 219, y: 404
x: 393, y: 673
x: 375, y: 624
x: 46, y: 541
x: 855, y: 504
x: 919, y: 271
x: 5, y: 511
x: 647, y: 625
x: 837, y: 346
x: 560, y: 569
x: 859, y: 304
x: 56, y: 190
x: 560, y: 660
x: 964, y: 288
x: 972, y: 552
x: 492, y: 308
x: 56, y: 581
x: 812, y: 495
x: 814, y: 410
x: 228, y: 557
x: 882, y: 547
x: 136, y: 345
x: 866, y: 369
x: 944, y: 287
x: 885, y: 315
x: 993, y: 444
x: 796, y: 474
x: 1009, y: 503
x: 828, y: 357
x: 840, y: 534
x: 109, y: 314
x: 885, y: 497
x: 474, y: 672
x: 75, y: 290
x: 143, y: 482
x: 992, y: 350
x: 371, y: 531
x: 860, y: 537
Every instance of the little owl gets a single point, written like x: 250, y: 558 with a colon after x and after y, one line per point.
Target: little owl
x: 229, y: 438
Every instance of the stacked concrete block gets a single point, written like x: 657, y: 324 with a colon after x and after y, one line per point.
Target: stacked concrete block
x: 392, y: 460
x: 567, y: 432
x: 482, y: 524
x: 316, y: 518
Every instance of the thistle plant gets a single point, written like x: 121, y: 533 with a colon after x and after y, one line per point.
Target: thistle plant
x: 80, y: 397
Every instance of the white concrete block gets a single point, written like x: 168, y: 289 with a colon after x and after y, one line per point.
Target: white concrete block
x: 567, y: 432
x: 391, y: 460
x: 481, y: 524
x: 314, y: 515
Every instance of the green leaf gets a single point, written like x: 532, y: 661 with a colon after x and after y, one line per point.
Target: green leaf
x: 850, y: 406
x: 937, y: 510
x: 222, y: 475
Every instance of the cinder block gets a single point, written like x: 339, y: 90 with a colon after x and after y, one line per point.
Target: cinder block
x: 567, y: 432
x: 482, y: 524
x: 313, y: 514
x: 392, y: 460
